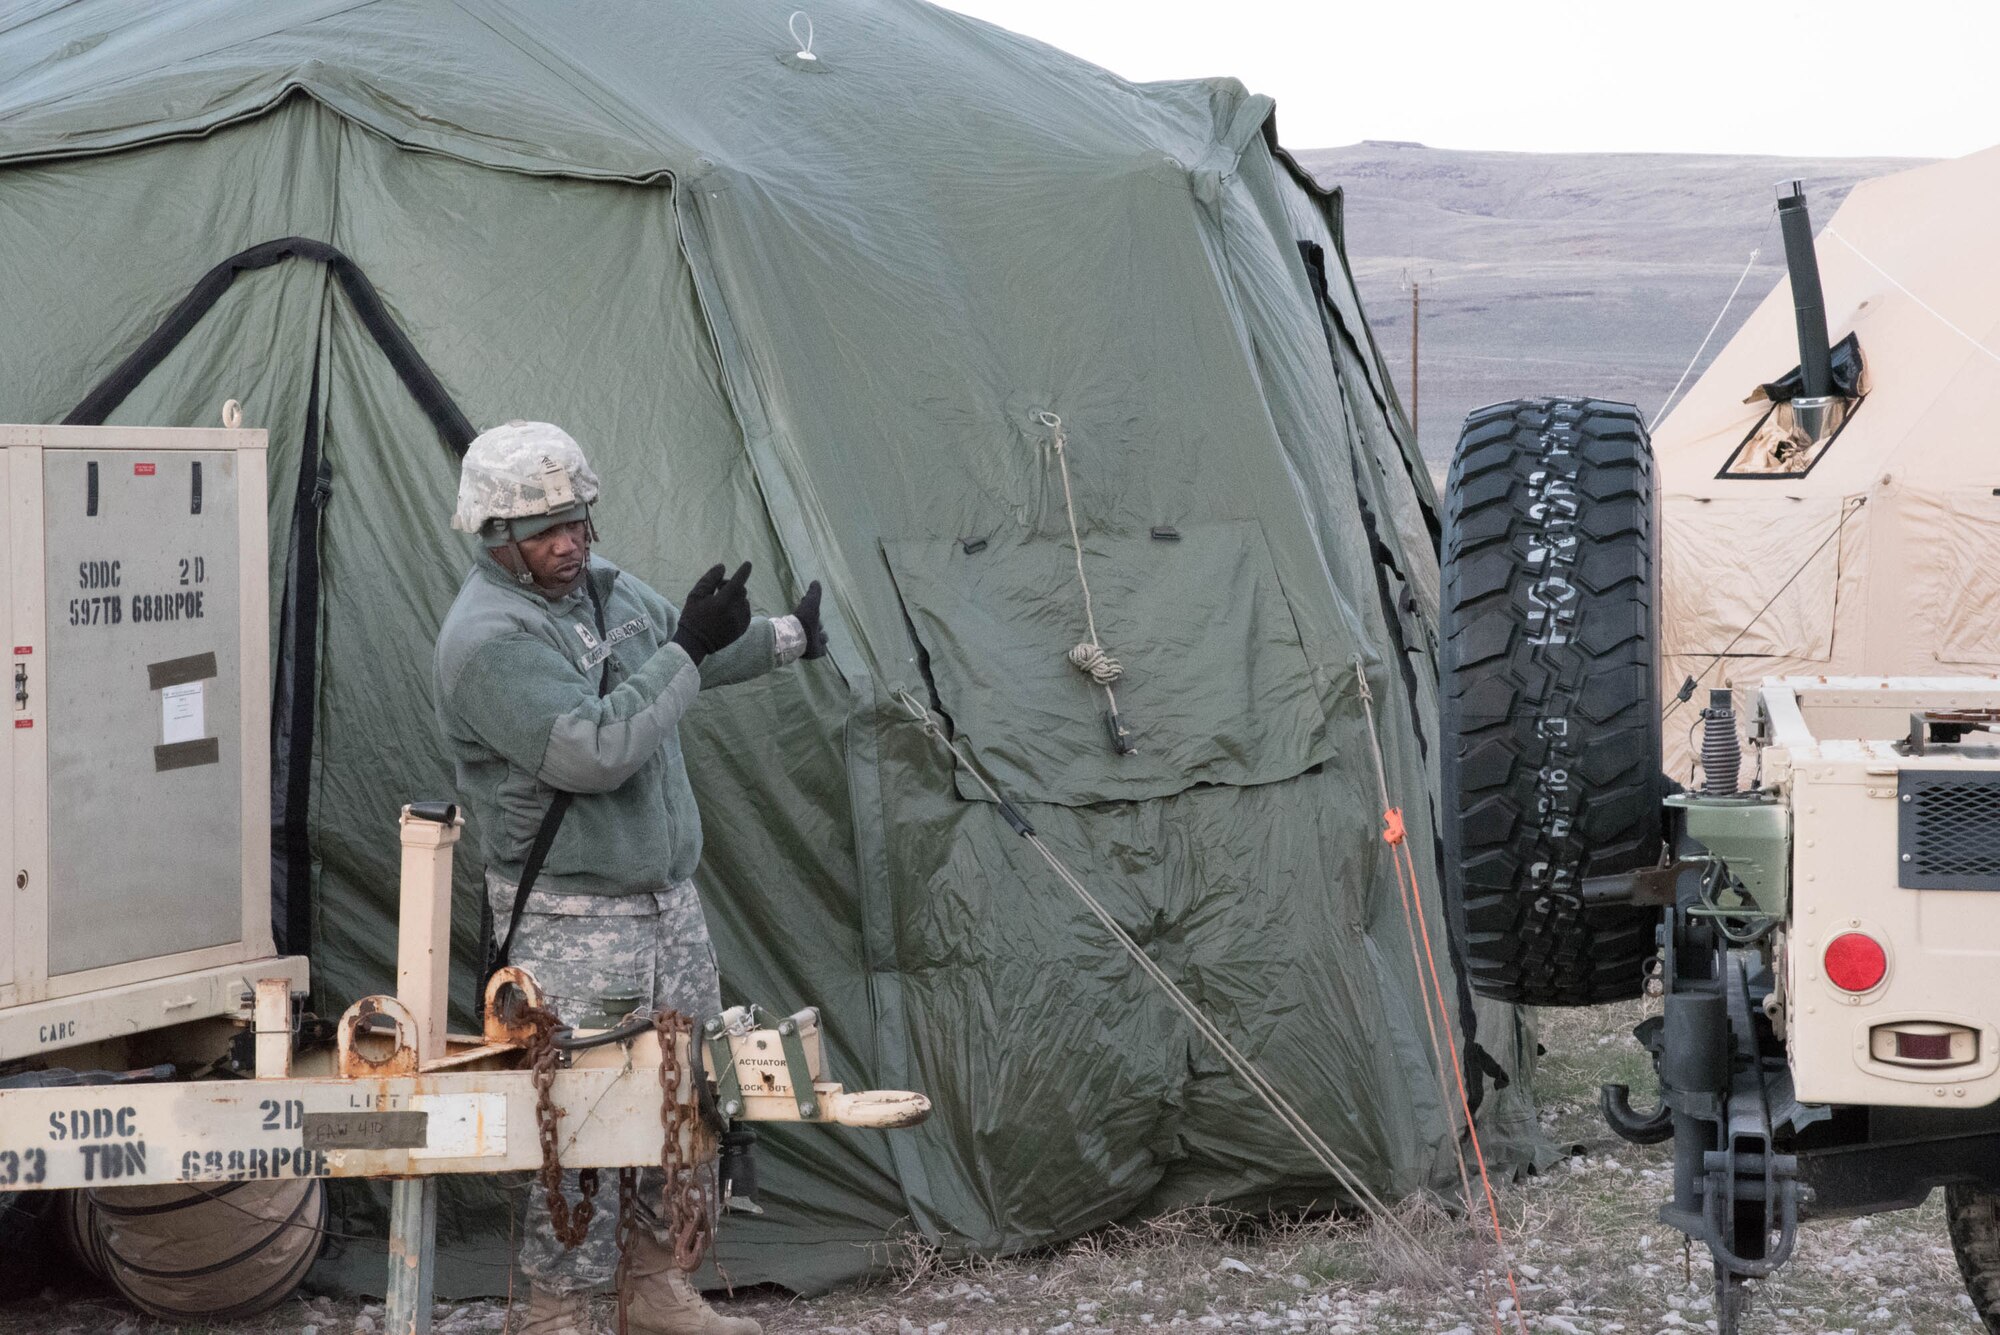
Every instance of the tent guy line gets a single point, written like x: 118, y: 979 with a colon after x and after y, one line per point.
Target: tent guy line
x: 1437, y: 1011
x: 1727, y: 302
x: 1259, y: 1085
x: 1925, y: 306
x: 1687, y: 689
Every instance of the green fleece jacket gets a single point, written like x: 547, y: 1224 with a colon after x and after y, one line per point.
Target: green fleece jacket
x: 516, y: 689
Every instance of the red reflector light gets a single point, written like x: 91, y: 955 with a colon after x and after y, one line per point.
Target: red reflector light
x: 1923, y: 1047
x: 1855, y: 963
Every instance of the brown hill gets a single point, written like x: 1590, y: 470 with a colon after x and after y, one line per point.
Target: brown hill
x: 1543, y: 273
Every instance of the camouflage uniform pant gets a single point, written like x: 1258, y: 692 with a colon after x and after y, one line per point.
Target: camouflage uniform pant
x: 579, y: 948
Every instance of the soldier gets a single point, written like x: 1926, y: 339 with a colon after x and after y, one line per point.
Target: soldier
x: 557, y: 672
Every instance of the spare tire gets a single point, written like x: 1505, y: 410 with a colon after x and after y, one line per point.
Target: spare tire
x: 1551, y: 697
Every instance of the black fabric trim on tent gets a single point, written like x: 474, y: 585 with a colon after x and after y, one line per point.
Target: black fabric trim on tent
x: 294, y: 683
x: 1332, y: 200
x: 298, y: 689
x: 1476, y: 1060
x: 411, y: 369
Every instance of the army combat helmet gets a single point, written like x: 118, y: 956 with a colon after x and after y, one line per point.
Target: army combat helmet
x: 521, y: 479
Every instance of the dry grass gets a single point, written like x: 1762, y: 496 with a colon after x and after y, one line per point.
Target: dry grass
x: 1589, y: 1257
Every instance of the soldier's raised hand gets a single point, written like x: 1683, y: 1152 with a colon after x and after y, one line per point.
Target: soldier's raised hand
x: 715, y: 613
x: 807, y: 613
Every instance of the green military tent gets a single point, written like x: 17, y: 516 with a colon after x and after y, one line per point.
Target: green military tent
x: 810, y: 290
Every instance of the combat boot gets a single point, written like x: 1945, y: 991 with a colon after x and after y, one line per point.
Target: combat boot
x: 552, y: 1313
x: 659, y: 1299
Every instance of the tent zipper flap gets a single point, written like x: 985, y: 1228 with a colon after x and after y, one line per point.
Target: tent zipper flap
x: 416, y: 374
x: 869, y: 711
x: 295, y: 694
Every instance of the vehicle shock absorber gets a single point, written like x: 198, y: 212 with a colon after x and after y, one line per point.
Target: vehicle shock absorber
x: 1721, y: 752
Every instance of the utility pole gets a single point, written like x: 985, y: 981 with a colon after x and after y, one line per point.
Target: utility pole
x: 1416, y: 315
x: 1413, y: 279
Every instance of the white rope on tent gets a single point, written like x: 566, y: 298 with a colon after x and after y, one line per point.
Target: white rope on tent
x: 1928, y: 309
x: 1687, y: 689
x: 1727, y: 302
x: 1267, y: 1093
x: 1090, y: 657
x: 805, y: 51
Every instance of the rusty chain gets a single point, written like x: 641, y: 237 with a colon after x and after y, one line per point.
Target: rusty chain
x: 686, y: 1197
x: 568, y: 1223
x: 628, y: 1219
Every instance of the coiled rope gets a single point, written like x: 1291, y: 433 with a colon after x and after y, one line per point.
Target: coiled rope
x: 1267, y: 1093
x: 1090, y: 657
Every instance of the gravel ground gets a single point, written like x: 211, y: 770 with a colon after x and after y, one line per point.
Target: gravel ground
x: 1589, y: 1260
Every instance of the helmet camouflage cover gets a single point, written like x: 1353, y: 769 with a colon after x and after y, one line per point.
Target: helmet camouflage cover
x: 521, y: 470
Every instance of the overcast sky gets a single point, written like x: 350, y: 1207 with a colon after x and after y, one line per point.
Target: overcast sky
x: 1831, y: 77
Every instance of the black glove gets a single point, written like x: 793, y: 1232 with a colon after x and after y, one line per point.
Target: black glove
x: 808, y: 614
x: 715, y: 612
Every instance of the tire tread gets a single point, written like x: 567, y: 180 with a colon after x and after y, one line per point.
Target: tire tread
x: 1537, y: 944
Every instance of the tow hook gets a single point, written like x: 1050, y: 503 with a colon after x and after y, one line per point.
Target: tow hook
x: 1652, y: 1128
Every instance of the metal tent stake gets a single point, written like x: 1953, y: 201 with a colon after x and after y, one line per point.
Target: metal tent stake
x: 423, y: 976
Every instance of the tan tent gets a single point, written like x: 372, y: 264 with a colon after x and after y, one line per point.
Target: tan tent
x: 1879, y: 550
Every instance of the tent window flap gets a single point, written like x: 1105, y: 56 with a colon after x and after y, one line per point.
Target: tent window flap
x: 1216, y: 688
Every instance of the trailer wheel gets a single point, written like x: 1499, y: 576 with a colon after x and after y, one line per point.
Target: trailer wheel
x: 23, y: 1244
x: 1973, y: 1216
x: 1551, y: 696
x: 204, y: 1252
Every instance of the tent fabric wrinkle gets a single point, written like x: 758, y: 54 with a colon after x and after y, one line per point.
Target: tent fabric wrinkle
x: 813, y: 323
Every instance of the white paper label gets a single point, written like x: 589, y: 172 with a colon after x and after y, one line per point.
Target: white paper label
x: 462, y: 1126
x: 181, y: 713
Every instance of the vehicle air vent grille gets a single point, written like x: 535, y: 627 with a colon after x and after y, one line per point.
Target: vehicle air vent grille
x: 1949, y: 830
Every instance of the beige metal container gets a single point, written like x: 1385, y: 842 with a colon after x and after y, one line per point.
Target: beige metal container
x: 136, y: 773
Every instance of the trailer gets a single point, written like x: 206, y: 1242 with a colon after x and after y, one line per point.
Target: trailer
x: 151, y: 1037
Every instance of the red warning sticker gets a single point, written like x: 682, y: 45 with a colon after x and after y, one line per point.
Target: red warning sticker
x: 24, y: 723
x: 23, y: 650
x: 144, y: 470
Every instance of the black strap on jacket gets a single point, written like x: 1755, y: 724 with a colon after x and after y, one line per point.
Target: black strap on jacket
x: 545, y: 837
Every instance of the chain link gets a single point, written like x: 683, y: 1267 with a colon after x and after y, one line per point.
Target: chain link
x: 687, y: 1203
x: 686, y: 1196
x: 569, y: 1224
x: 628, y: 1220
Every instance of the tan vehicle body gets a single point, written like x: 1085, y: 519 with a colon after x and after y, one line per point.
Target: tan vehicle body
x: 1868, y: 816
